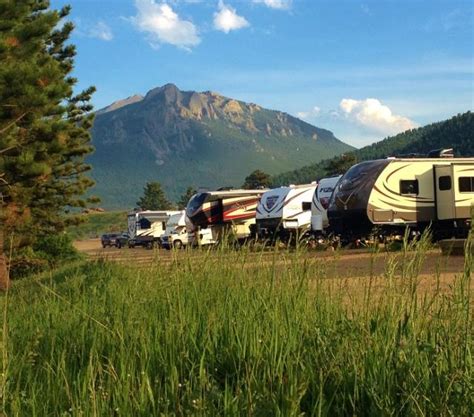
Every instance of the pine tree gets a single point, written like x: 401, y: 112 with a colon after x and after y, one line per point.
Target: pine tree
x: 340, y: 164
x: 44, y: 127
x: 183, y: 201
x: 257, y: 179
x: 154, y: 198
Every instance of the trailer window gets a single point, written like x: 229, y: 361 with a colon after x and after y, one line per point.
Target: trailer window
x: 466, y: 184
x: 305, y: 206
x: 144, y: 223
x: 409, y: 187
x: 195, y: 203
x: 444, y: 182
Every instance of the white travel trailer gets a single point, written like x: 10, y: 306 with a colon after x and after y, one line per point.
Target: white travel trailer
x: 320, y: 203
x: 175, y: 235
x: 285, y: 211
x: 146, y: 227
x: 394, y: 193
x: 224, y: 211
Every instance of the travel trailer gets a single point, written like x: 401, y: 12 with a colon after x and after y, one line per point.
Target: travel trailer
x: 285, y: 211
x: 175, y: 235
x: 146, y: 227
x: 394, y: 193
x: 320, y: 203
x: 224, y: 211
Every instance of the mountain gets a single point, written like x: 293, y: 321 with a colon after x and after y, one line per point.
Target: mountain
x: 456, y: 133
x: 186, y: 138
x: 120, y: 103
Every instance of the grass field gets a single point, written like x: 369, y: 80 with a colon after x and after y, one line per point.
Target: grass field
x: 231, y: 334
x: 99, y: 223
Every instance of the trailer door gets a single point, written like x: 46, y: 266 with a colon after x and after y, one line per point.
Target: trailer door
x: 444, y: 195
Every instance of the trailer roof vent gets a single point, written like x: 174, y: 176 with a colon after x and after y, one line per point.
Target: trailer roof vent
x: 407, y: 155
x: 441, y: 153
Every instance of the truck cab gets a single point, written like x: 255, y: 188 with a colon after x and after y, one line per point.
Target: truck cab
x: 175, y: 235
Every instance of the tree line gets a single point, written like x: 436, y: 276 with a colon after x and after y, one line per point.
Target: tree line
x: 455, y: 133
x: 154, y: 197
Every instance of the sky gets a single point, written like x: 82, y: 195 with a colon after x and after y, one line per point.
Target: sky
x: 362, y: 69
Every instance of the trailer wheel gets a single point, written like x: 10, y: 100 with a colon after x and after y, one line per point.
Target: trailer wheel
x: 178, y: 244
x: 153, y: 245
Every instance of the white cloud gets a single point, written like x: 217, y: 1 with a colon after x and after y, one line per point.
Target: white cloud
x: 163, y: 25
x: 456, y: 20
x: 276, y: 4
x: 101, y: 31
x: 372, y: 114
x: 227, y: 19
x: 314, y: 112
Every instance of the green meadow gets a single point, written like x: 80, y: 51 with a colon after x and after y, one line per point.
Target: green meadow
x: 229, y: 334
x: 97, y: 223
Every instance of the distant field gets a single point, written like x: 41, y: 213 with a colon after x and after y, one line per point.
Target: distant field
x: 99, y: 223
x: 239, y: 333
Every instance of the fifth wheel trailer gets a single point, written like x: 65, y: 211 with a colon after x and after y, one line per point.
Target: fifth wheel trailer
x: 224, y: 212
x: 145, y: 228
x: 395, y: 193
x: 285, y: 211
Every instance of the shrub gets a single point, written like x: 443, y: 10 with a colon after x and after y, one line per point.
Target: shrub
x: 48, y: 251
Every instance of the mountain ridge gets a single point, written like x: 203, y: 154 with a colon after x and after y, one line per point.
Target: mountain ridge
x: 189, y: 138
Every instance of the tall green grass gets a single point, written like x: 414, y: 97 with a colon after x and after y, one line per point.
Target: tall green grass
x: 224, y: 335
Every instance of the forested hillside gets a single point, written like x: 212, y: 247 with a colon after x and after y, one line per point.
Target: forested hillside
x: 456, y: 133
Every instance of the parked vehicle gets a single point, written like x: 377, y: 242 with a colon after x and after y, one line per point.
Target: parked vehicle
x: 203, y: 237
x: 225, y: 211
x: 285, y: 212
x: 320, y: 203
x: 199, y: 236
x: 175, y: 235
x: 145, y: 228
x: 114, y: 239
x: 398, y: 192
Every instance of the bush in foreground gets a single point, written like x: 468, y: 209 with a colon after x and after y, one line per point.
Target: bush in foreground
x: 48, y: 251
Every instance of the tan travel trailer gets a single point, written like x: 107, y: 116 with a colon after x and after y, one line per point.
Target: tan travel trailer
x: 394, y: 193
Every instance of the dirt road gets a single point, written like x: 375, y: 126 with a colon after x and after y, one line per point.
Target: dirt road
x: 342, y: 264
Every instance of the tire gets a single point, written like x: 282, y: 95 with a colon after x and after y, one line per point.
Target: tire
x: 177, y: 244
x: 153, y: 245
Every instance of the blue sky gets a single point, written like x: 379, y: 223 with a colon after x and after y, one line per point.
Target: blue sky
x: 363, y: 69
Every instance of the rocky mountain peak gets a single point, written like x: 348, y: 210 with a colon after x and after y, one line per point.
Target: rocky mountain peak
x: 121, y: 103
